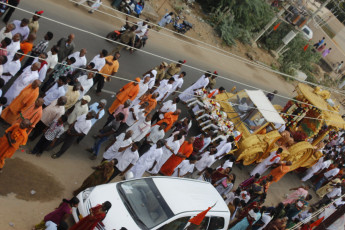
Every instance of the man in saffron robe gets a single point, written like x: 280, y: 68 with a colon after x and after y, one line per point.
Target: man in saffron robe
x: 280, y: 171
x: 14, y: 137
x: 184, y: 152
x: 129, y: 91
x: 26, y: 46
x: 33, y: 113
x: 26, y: 98
x: 169, y: 118
x: 151, y: 99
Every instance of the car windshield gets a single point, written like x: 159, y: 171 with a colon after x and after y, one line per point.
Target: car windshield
x: 144, y: 202
x: 305, y: 30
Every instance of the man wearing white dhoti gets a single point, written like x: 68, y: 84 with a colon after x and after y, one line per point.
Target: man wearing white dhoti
x: 199, y: 84
x: 273, y: 158
x: 27, y: 77
x: 148, y: 160
x: 171, y: 147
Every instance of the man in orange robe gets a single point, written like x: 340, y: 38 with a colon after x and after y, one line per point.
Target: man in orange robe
x: 169, y: 118
x: 33, y: 113
x: 151, y: 99
x: 129, y: 91
x: 280, y: 171
x: 14, y: 137
x: 26, y: 98
x: 26, y: 46
x: 184, y: 152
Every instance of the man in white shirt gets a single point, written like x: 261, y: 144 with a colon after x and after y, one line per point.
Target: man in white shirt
x: 167, y: 106
x: 120, y: 144
x: 56, y: 91
x: 207, y: 140
x: 225, y: 149
x: 327, y: 176
x: 141, y: 29
x: 44, y: 67
x: 148, y: 161
x: 143, y: 87
x: 52, y: 112
x: 99, y: 60
x: 27, y: 77
x: 80, y: 108
x: 80, y: 128
x: 11, y: 67
x: 52, y: 58
x: 321, y: 164
x: 336, y: 192
x: 14, y: 46
x: 22, y: 28
x: 6, y: 32
x: 273, y: 158
x: 171, y: 147
x: 155, y: 134
x: 185, y: 168
x: 80, y: 58
x: 86, y: 82
x: 163, y: 89
x: 135, y: 114
x: 125, y: 161
x: 177, y: 84
x: 206, y: 160
x: 188, y: 93
x: 141, y: 128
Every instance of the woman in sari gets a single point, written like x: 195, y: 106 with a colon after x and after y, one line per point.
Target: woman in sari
x: 101, y: 175
x: 97, y: 214
x: 60, y: 214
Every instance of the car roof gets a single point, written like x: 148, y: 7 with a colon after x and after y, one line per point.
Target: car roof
x: 185, y: 195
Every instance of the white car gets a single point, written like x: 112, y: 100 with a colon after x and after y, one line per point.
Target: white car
x: 157, y: 203
x: 307, y: 32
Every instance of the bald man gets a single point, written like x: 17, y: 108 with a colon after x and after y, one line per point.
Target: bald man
x: 80, y: 58
x: 66, y: 47
x: 14, y: 137
x: 29, y: 75
x: 33, y: 113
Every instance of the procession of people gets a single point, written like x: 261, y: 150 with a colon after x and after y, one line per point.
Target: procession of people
x: 143, y: 131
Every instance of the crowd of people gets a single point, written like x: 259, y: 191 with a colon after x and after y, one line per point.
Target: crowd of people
x: 143, y: 132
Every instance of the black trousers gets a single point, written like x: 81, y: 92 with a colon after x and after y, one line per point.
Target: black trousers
x: 30, y: 60
x: 41, y: 145
x: 115, y: 173
x: 67, y: 140
x: 38, y: 130
x: 155, y: 117
x: 10, y: 10
x: 145, y: 146
x: 99, y: 80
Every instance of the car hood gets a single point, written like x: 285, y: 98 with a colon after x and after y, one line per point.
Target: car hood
x: 118, y: 216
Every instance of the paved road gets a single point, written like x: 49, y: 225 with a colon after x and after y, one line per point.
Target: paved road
x: 71, y: 169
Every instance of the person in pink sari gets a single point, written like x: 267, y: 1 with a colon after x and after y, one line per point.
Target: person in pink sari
x: 300, y: 192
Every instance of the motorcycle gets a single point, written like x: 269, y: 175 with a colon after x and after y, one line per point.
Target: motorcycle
x: 182, y: 27
x: 116, y: 34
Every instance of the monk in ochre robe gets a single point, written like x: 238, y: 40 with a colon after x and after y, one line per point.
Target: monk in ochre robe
x: 184, y: 152
x: 14, y: 137
x: 26, y: 98
x: 129, y: 91
x: 151, y: 99
x: 33, y: 114
x: 169, y: 118
x: 27, y: 45
x: 280, y: 171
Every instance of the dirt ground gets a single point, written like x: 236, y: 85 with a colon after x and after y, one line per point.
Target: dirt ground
x: 36, y: 184
x: 204, y: 32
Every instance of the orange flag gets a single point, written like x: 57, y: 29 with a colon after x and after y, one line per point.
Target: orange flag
x: 316, y: 223
x: 200, y: 217
x: 306, y: 47
x: 276, y: 26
